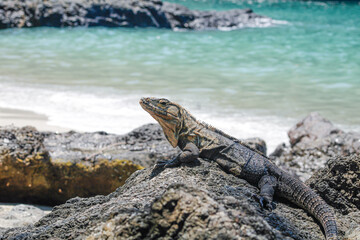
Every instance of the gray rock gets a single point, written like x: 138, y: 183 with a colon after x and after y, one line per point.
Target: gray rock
x: 49, y: 168
x: 312, y: 142
x: 339, y: 183
x: 257, y: 143
x: 353, y: 234
x: 122, y: 13
x: 144, y: 146
x: 310, y: 130
x: 193, y: 201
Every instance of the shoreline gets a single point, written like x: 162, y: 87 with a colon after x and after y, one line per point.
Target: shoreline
x: 22, y: 118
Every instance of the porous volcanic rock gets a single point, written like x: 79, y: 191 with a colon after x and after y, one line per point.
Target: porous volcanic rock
x: 194, y: 201
x: 49, y: 168
x: 143, y: 146
x: 312, y: 142
x: 339, y: 183
x: 122, y: 13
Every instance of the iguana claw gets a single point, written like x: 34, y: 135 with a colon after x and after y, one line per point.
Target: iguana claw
x: 166, y: 164
x: 265, y: 204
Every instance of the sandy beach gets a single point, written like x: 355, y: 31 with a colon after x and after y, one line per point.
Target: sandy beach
x: 21, y: 118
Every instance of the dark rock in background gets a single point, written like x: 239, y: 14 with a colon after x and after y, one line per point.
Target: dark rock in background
x: 122, y: 13
x: 312, y: 142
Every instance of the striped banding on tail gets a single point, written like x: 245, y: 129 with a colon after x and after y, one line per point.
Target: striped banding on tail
x: 296, y: 191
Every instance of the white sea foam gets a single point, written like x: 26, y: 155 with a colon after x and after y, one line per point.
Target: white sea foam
x: 272, y: 129
x: 76, y: 109
x: 120, y: 113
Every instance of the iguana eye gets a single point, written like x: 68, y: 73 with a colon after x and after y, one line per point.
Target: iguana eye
x: 163, y: 102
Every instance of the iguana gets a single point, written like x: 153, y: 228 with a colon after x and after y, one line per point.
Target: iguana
x: 198, y: 139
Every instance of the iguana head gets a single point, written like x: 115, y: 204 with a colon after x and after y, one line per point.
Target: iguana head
x: 169, y: 115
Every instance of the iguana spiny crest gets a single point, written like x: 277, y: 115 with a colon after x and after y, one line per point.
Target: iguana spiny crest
x: 176, y: 120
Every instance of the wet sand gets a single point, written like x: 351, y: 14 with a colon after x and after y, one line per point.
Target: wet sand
x: 21, y: 118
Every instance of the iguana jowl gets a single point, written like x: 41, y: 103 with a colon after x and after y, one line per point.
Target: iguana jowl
x: 198, y: 139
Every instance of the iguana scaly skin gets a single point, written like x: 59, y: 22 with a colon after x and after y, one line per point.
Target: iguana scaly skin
x: 198, y: 139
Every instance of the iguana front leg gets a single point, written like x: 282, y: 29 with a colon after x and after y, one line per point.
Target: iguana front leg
x: 267, y: 185
x: 189, y: 153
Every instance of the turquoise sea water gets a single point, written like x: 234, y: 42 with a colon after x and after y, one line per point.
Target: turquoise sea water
x: 250, y: 82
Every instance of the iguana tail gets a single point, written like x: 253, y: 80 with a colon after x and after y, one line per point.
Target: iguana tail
x: 296, y: 191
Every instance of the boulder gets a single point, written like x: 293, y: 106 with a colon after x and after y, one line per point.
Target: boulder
x: 122, y: 13
x: 339, y: 183
x: 257, y: 144
x: 143, y: 146
x: 49, y: 168
x: 311, y: 130
x: 194, y: 201
x: 312, y: 142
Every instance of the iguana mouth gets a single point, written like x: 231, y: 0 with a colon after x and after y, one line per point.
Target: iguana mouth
x: 151, y: 108
x: 166, y: 113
